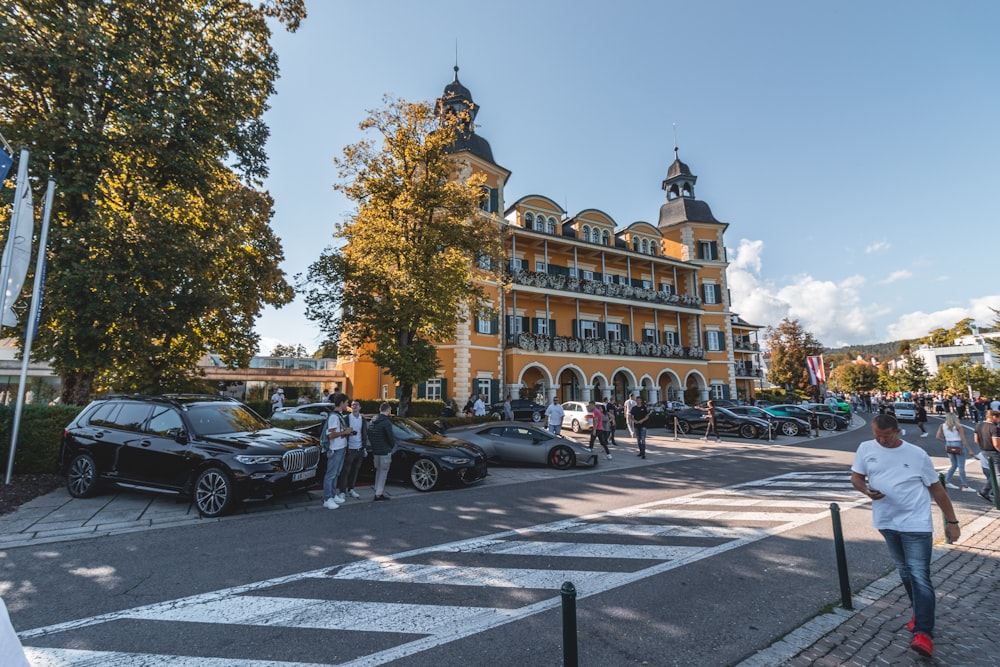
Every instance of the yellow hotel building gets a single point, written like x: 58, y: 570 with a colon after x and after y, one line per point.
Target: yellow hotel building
x: 589, y: 309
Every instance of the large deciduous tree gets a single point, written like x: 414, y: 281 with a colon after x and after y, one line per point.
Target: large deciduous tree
x: 405, y: 276
x: 789, y: 345
x: 857, y: 377
x: 913, y: 374
x: 149, y: 115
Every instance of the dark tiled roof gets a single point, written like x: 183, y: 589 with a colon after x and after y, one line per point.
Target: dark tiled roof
x: 685, y: 209
x: 678, y: 168
x: 475, y: 144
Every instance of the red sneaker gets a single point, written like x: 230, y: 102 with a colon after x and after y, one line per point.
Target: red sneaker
x: 913, y: 622
x: 922, y: 644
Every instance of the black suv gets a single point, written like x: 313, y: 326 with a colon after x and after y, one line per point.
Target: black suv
x: 214, y: 450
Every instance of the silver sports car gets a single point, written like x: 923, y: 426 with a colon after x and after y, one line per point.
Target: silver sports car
x: 517, y: 442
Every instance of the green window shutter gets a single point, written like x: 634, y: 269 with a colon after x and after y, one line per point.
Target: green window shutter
x: 399, y: 391
x: 625, y: 333
x: 715, y: 253
x: 602, y: 330
x: 534, y: 325
x: 444, y: 389
x: 576, y: 328
x: 495, y: 325
x: 725, y: 391
x: 422, y: 390
x: 552, y: 327
x: 494, y: 200
x: 722, y: 343
x: 495, y: 391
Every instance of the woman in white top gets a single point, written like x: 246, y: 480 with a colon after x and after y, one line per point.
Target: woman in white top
x: 953, y: 434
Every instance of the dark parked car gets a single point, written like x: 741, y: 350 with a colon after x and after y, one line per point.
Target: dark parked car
x: 426, y: 460
x: 782, y: 425
x: 822, y: 409
x: 524, y: 410
x: 524, y: 443
x: 215, y: 450
x: 828, y: 421
x: 727, y: 423
x: 310, y: 412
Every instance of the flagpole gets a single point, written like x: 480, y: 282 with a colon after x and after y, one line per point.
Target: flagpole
x: 32, y: 325
x: 22, y: 178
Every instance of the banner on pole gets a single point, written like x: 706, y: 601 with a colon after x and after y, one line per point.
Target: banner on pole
x: 17, y: 252
x: 6, y: 160
x: 817, y: 375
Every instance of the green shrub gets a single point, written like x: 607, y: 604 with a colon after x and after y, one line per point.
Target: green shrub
x: 39, y: 435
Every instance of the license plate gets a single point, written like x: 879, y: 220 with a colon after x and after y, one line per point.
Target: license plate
x: 305, y: 474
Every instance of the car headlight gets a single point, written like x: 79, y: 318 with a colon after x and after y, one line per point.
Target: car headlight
x: 262, y: 459
x: 455, y: 460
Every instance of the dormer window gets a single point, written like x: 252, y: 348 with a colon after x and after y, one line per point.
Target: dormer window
x: 552, y: 225
x: 644, y: 247
x: 540, y: 223
x: 606, y: 238
x: 595, y: 235
x: 586, y: 232
x: 529, y: 220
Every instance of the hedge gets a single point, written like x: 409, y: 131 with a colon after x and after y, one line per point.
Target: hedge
x: 39, y: 436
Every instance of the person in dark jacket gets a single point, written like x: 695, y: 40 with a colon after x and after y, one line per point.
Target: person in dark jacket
x: 382, y: 442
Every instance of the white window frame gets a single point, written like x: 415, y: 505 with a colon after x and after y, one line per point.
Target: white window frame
x: 529, y: 220
x: 614, y: 331
x: 713, y: 341
x: 483, y: 326
x: 543, y: 326
x: 667, y: 288
x: 588, y: 329
x: 669, y: 337
x: 711, y: 294
x: 588, y: 275
x: 716, y: 391
x: 541, y: 267
x: 483, y: 387
x: 552, y: 226
x: 585, y: 233
x: 432, y: 390
x: 705, y: 250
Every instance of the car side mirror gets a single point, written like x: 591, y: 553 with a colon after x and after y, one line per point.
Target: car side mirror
x: 178, y: 434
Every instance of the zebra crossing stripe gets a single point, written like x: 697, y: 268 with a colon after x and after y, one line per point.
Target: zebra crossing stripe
x: 442, y: 624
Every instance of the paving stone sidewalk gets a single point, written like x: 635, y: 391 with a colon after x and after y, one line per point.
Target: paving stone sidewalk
x: 966, y: 577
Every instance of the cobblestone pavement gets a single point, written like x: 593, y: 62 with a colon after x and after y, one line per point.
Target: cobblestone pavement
x: 966, y: 577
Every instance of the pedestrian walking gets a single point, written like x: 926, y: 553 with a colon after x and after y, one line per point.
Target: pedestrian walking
x: 629, y: 421
x: 955, y: 446
x: 900, y: 479
x: 382, y: 441
x: 987, y: 436
x: 554, y: 416
x: 710, y: 424
x: 640, y: 416
x: 600, y: 428
x: 920, y: 415
x: 508, y: 410
x: 612, y: 421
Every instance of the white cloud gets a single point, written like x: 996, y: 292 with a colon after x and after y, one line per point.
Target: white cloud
x: 919, y: 323
x: 875, y: 247
x: 833, y: 312
x: 902, y: 274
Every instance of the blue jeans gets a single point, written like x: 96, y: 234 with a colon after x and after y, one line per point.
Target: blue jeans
x: 957, y: 461
x: 640, y: 438
x: 334, y: 463
x: 555, y: 428
x: 912, y: 553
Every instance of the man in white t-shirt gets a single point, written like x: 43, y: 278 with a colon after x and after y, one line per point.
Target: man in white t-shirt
x: 900, y: 479
x: 629, y: 404
x: 554, y: 416
x: 479, y: 407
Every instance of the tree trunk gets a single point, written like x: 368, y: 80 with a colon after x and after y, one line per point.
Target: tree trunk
x: 405, y: 396
x: 76, y: 388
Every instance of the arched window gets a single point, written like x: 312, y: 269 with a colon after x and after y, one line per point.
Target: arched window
x: 586, y: 233
x: 552, y: 225
x: 606, y: 238
x: 635, y: 243
x: 652, y: 247
x: 643, y: 247
x: 595, y: 235
x: 529, y: 220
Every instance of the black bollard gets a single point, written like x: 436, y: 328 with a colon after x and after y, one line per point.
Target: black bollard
x: 944, y: 517
x: 568, y: 592
x: 838, y: 543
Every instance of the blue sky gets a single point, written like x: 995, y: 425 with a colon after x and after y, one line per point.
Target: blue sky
x: 851, y: 146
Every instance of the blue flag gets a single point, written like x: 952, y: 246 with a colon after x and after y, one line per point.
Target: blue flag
x: 5, y: 162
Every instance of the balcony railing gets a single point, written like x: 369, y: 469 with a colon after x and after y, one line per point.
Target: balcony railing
x: 748, y: 372
x: 571, y: 344
x: 598, y: 288
x: 745, y: 344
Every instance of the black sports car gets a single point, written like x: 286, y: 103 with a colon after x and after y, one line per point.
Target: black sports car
x: 783, y: 425
x: 828, y: 421
x: 727, y: 423
x: 423, y: 459
x: 524, y: 410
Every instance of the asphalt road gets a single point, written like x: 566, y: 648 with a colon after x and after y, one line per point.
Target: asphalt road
x: 692, y: 562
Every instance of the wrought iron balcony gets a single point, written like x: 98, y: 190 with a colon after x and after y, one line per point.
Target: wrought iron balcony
x: 573, y: 345
x: 599, y: 288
